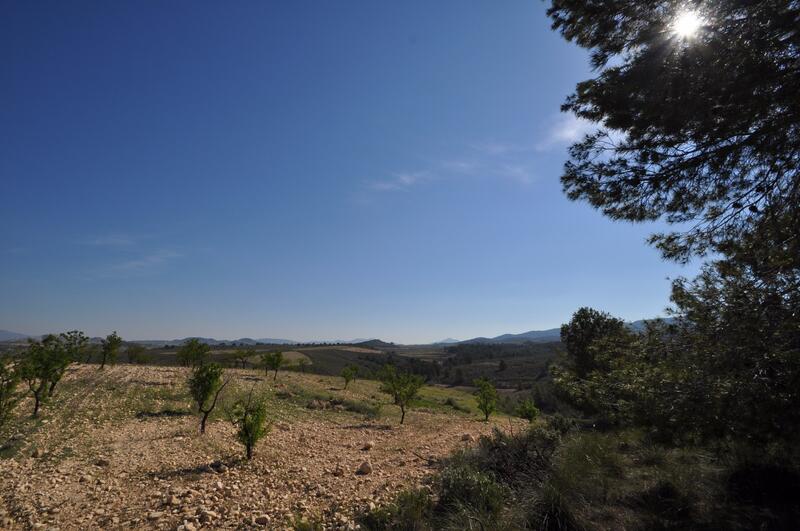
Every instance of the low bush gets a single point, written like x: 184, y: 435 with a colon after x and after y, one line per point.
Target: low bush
x: 412, y: 510
x: 462, y: 486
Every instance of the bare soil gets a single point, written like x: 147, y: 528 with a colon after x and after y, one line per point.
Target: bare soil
x: 120, y: 449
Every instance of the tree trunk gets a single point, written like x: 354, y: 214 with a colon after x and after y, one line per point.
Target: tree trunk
x: 402, y: 414
x: 203, y: 421
x: 36, y: 403
x: 52, y: 387
x: 275, y: 377
x: 249, y: 451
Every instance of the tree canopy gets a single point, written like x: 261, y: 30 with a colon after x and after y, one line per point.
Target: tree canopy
x: 702, y: 130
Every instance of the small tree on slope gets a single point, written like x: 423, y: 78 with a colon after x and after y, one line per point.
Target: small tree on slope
x: 110, y: 349
x: 9, y: 379
x: 272, y: 362
x: 349, y: 374
x: 486, y: 396
x: 206, y: 385
x: 402, y: 386
x: 250, y: 418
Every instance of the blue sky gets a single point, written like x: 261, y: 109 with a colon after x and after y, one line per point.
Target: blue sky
x: 304, y: 170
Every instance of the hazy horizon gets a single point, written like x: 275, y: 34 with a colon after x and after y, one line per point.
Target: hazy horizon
x: 301, y: 171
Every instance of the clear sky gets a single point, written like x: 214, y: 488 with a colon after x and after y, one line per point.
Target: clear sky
x: 302, y: 170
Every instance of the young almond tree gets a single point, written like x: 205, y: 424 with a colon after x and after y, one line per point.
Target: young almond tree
x: 39, y: 366
x: 249, y: 416
x: 302, y: 363
x: 194, y: 353
x: 206, y: 385
x: 402, y: 386
x: 136, y: 353
x: 241, y: 357
x: 72, y: 346
x: 486, y: 396
x: 349, y: 374
x: 9, y: 379
x: 110, y: 348
x: 272, y: 361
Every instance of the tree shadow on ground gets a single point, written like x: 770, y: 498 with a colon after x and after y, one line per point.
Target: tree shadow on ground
x: 366, y: 426
x: 165, y: 413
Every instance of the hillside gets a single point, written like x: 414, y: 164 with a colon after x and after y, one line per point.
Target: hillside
x: 106, y: 431
x: 6, y: 335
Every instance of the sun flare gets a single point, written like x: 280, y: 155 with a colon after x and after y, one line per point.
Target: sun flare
x: 687, y: 24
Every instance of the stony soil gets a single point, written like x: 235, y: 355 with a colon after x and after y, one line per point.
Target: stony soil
x: 120, y: 449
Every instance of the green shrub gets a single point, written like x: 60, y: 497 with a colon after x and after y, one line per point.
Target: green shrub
x: 450, y: 401
x: 527, y: 410
x: 516, y: 460
x: 589, y: 465
x: 461, y: 485
x: 560, y: 424
x: 412, y: 510
x: 548, y: 510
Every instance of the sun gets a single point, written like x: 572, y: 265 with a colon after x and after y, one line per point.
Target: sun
x: 687, y: 23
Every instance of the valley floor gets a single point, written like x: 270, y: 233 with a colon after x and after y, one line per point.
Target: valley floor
x: 120, y: 449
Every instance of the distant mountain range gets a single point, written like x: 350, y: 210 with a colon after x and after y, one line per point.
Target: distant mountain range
x: 448, y: 341
x: 6, y: 335
x: 535, y: 336
x: 211, y: 341
x: 543, y: 336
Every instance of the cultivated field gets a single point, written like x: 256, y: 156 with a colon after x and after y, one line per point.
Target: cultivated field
x: 119, y: 449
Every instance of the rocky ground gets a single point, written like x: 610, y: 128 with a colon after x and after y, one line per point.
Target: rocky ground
x: 120, y: 449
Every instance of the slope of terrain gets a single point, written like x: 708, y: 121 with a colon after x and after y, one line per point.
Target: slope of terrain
x: 119, y: 449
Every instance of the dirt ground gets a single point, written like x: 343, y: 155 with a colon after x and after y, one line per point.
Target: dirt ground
x: 120, y: 449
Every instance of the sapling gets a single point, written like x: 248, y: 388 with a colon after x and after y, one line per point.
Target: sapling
x: 349, y: 374
x: 402, y: 386
x: 249, y: 416
x: 9, y: 379
x: 110, y: 348
x: 528, y: 410
x: 486, y: 396
x: 205, y: 385
x: 272, y: 361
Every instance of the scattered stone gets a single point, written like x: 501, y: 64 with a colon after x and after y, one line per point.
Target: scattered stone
x: 37, y: 453
x: 468, y: 437
x: 318, y: 404
x: 219, y: 467
x: 262, y: 520
x: 369, y: 445
x: 364, y: 468
x: 207, y: 516
x: 102, y: 461
x: 155, y: 515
